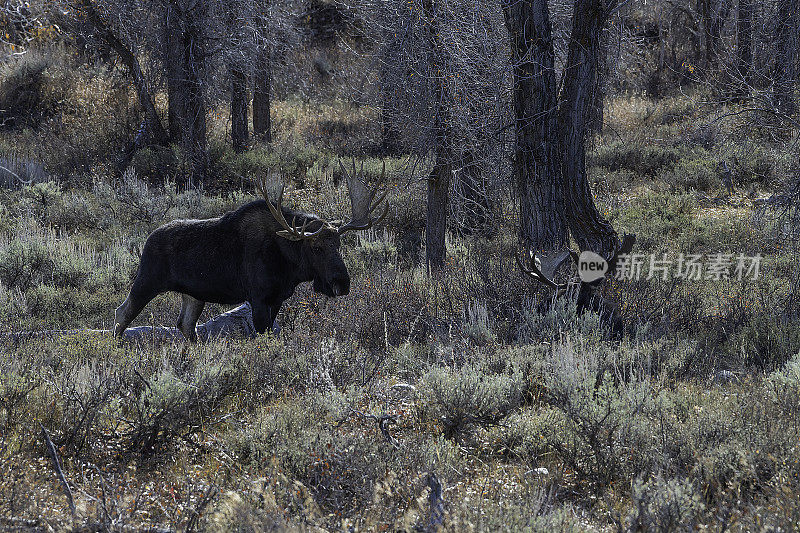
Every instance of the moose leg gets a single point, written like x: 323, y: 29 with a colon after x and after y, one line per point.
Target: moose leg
x: 131, y: 307
x: 264, y: 314
x: 191, y: 309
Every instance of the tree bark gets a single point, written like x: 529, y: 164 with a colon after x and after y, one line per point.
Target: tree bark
x: 590, y: 230
x: 787, y: 50
x: 173, y: 66
x: 262, y: 82
x: 536, y: 157
x: 744, y: 46
x: 714, y: 14
x: 474, y: 207
x: 193, y: 48
x: 239, y: 104
x: 597, y: 102
x: 439, y: 179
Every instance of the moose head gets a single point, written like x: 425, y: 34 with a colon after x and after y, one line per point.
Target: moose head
x: 589, y: 296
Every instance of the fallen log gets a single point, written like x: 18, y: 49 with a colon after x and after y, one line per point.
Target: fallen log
x: 237, y: 322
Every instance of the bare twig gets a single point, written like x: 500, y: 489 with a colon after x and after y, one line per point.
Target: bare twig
x: 199, y: 508
x: 103, y: 501
x: 57, y: 465
x: 14, y: 174
x: 436, y: 502
x: 383, y: 422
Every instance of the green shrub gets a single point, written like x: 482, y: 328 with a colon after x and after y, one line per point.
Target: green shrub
x: 766, y: 342
x: 373, y: 249
x: 551, y: 320
x: 662, y: 505
x: 476, y: 324
x: 158, y: 165
x: 30, y: 89
x: 25, y: 263
x: 17, y: 171
x: 599, y: 418
x: 784, y: 387
x: 339, y: 467
x: 643, y: 160
x: 458, y: 399
x: 754, y: 164
x: 700, y: 174
x: 659, y: 216
x: 174, y: 404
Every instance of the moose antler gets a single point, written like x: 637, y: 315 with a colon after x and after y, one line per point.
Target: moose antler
x: 534, y: 269
x: 362, y: 200
x: 289, y: 231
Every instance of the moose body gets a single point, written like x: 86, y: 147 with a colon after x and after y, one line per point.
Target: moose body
x: 253, y: 254
x: 231, y: 259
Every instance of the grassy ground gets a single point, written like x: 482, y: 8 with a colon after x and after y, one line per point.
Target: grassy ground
x: 362, y: 407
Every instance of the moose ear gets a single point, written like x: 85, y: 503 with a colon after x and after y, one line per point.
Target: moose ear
x: 628, y: 240
x: 625, y: 247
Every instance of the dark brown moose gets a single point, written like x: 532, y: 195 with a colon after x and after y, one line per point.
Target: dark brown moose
x: 589, y: 297
x: 258, y: 253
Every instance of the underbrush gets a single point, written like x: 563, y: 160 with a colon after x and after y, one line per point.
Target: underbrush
x: 464, y: 401
x: 298, y: 436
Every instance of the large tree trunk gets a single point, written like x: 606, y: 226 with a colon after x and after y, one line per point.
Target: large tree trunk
x: 173, y: 66
x: 262, y: 82
x: 184, y: 59
x: 536, y: 158
x: 714, y: 14
x: 597, y: 103
x: 436, y: 218
x: 590, y: 230
x: 239, y: 103
x: 744, y: 46
x: 439, y: 179
x: 787, y: 51
x: 194, y: 55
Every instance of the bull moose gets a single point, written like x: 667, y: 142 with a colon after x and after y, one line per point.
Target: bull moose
x: 589, y: 297
x: 252, y: 254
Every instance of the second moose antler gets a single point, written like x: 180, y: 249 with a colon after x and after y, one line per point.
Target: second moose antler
x: 589, y: 297
x: 362, y: 200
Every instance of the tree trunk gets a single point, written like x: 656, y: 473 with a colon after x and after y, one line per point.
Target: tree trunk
x: 173, y: 65
x: 597, y: 102
x: 262, y: 82
x: 536, y: 158
x: 590, y: 230
x: 436, y: 219
x: 473, y: 201
x: 195, y: 142
x: 714, y: 14
x: 239, y: 103
x: 744, y: 46
x: 787, y: 50
x: 439, y: 179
